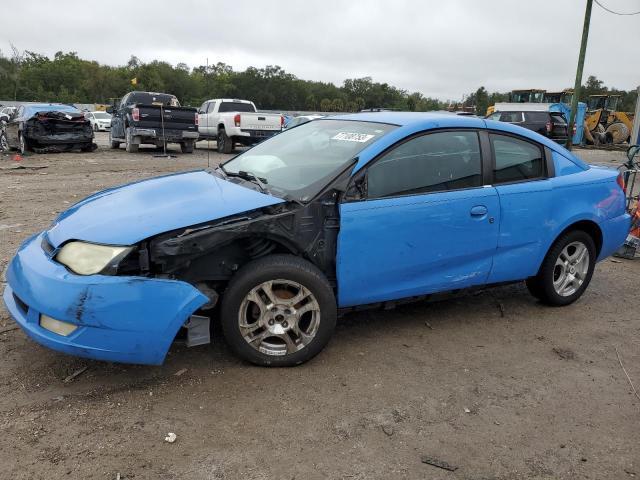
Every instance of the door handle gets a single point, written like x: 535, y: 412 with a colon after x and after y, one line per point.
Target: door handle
x: 479, y: 211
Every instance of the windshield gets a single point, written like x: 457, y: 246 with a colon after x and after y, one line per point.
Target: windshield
x: 300, y: 161
x: 148, y: 98
x: 101, y: 115
x: 30, y: 110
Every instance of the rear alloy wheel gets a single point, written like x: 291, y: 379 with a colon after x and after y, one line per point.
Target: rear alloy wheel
x: 566, y: 270
x: 278, y: 311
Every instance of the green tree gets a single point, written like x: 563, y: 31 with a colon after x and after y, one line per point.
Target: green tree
x: 325, y: 105
x: 337, y: 105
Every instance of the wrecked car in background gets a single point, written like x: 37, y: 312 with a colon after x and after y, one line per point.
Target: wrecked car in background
x: 363, y: 209
x: 49, y: 128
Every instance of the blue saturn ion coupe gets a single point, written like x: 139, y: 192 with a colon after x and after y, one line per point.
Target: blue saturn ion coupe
x: 346, y: 211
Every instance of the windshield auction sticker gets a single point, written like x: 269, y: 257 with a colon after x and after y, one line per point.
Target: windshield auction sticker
x: 353, y: 137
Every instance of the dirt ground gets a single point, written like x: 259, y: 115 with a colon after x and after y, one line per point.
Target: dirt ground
x: 492, y: 383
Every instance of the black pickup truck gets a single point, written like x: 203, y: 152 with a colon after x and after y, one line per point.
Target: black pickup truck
x: 152, y: 118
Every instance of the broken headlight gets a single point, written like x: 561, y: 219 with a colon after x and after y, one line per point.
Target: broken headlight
x: 90, y: 258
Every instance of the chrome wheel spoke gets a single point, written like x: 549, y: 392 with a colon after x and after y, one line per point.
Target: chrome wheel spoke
x: 255, y: 297
x: 289, y: 343
x: 267, y: 289
x: 307, y: 307
x: 299, y: 297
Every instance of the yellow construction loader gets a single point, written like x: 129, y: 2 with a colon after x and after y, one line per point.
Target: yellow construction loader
x: 604, y: 124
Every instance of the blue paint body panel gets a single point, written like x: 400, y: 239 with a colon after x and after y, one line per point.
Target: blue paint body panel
x: 120, y: 319
x: 388, y: 248
x: 131, y: 213
x: 415, y: 245
x: 377, y: 260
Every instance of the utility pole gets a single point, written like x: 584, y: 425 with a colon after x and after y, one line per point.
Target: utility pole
x: 635, y: 134
x: 578, y: 84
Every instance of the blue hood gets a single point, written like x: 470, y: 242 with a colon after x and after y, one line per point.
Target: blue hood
x: 131, y: 213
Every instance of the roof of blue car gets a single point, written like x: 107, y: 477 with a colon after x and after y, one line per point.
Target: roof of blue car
x: 406, y: 118
x: 427, y: 120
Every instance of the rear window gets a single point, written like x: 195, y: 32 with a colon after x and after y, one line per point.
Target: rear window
x: 236, y: 107
x: 146, y: 98
x: 511, y: 117
x: 558, y: 118
x: 537, y: 116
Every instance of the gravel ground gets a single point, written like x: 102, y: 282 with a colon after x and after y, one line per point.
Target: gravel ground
x: 492, y: 383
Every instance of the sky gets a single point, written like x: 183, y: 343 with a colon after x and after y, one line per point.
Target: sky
x: 442, y: 49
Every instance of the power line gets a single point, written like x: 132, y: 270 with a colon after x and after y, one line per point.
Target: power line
x: 615, y: 13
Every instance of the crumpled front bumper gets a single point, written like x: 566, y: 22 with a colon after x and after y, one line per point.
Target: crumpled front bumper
x: 119, y: 319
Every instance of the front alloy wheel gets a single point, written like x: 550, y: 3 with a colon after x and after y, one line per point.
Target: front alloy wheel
x: 278, y: 311
x: 279, y: 317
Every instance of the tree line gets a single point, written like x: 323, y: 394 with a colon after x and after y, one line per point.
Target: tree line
x: 67, y: 78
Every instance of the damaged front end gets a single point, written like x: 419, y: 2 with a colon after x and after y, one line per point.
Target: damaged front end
x: 58, y: 131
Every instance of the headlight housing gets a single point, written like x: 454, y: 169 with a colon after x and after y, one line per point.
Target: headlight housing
x: 89, y: 258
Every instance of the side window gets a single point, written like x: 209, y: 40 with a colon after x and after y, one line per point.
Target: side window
x: 495, y: 116
x: 211, y: 108
x: 203, y: 107
x: 429, y: 163
x: 511, y: 117
x: 515, y: 160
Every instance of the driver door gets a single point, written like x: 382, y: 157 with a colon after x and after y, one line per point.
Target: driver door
x: 427, y: 223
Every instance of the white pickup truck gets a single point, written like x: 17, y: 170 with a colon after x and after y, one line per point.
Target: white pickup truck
x: 231, y: 121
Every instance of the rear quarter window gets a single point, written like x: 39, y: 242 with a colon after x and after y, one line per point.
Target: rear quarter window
x: 516, y: 160
x: 538, y: 117
x: 511, y: 117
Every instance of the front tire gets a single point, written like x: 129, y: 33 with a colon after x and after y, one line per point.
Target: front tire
x: 23, y: 146
x: 278, y: 311
x: 566, y: 271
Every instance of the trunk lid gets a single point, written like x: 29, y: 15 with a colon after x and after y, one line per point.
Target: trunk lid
x: 260, y: 121
x: 173, y: 118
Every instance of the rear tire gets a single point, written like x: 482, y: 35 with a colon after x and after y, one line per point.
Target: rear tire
x: 129, y: 145
x: 566, y: 270
x: 187, y: 147
x: 225, y: 143
x: 278, y: 311
x: 114, y: 145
